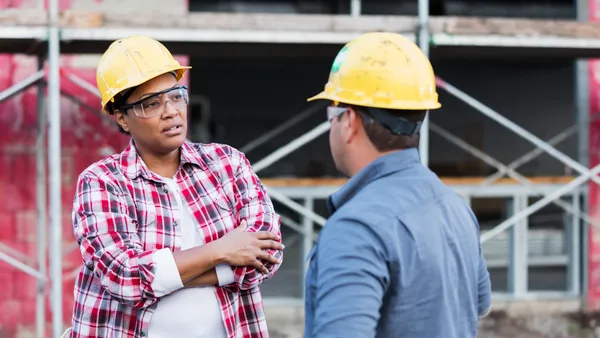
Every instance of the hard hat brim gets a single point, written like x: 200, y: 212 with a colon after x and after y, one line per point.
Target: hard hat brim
x: 325, y: 96
x: 320, y: 96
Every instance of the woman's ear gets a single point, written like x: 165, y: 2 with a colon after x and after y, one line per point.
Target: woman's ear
x: 121, y: 120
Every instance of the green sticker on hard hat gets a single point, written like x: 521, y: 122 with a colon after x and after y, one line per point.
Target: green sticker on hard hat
x: 339, y: 59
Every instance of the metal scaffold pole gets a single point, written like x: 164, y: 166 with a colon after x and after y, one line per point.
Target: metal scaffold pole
x: 355, y: 7
x: 582, y: 106
x: 54, y: 161
x: 423, y: 41
x: 42, y: 214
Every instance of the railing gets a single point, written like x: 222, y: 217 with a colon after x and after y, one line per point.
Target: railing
x: 517, y: 249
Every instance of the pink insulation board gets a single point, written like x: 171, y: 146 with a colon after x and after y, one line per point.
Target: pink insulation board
x: 87, y: 136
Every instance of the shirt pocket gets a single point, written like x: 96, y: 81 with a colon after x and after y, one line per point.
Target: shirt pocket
x: 155, y: 231
x: 147, y: 229
x: 217, y: 216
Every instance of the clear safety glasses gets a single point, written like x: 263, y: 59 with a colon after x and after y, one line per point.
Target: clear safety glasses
x: 333, y: 112
x: 156, y: 103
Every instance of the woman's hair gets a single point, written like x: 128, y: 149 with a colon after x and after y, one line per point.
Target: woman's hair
x: 120, y: 100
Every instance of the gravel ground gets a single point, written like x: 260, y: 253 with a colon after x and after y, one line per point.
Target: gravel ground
x: 498, y: 325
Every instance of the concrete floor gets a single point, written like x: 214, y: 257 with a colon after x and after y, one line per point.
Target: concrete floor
x: 540, y: 322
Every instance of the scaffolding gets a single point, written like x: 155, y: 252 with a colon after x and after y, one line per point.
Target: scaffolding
x: 442, y: 35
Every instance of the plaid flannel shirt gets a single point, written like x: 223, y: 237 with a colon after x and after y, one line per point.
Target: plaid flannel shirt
x: 122, y: 213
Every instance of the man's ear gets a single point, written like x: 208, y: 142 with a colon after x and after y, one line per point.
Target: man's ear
x: 121, y: 120
x: 351, y: 124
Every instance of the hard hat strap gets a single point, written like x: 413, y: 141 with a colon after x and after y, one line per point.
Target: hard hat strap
x: 397, y: 125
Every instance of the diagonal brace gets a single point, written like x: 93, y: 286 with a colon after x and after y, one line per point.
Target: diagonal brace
x: 574, y: 184
x: 81, y: 82
x: 282, y: 127
x: 19, y: 87
x: 22, y: 266
x: 290, y: 223
x: 558, y: 138
x: 513, y: 174
x: 290, y: 147
x: 299, y: 208
x: 284, y: 151
x: 489, y: 112
x: 530, y: 155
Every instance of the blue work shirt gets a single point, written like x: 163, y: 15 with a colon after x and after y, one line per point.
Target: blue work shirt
x: 399, y: 257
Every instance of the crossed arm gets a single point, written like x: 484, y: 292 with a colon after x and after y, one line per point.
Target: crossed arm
x: 253, y: 205
x: 110, y: 245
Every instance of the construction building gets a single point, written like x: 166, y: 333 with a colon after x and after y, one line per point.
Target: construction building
x: 517, y: 134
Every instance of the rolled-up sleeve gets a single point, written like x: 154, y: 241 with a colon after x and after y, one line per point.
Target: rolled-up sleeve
x: 109, y: 243
x: 255, y: 207
x: 353, y: 278
x: 166, y: 276
x: 224, y: 274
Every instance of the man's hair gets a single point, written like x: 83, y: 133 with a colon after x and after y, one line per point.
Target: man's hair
x: 381, y: 137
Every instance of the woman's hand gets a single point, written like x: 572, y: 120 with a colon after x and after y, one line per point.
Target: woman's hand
x: 241, y: 248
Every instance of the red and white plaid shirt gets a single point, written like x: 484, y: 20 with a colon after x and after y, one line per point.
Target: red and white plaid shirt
x: 122, y: 213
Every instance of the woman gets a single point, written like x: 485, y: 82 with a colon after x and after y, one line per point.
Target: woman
x: 175, y: 237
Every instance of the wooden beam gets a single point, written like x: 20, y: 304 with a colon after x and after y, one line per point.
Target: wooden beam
x: 305, y: 23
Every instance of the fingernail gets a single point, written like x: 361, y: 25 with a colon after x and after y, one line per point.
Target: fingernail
x: 282, y: 246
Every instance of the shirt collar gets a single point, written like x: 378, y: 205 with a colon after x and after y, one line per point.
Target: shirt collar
x: 134, y: 166
x: 381, y: 167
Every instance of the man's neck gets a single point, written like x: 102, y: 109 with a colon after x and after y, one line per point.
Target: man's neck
x: 366, y: 158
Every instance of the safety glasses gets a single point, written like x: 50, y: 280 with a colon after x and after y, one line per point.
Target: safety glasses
x: 333, y: 112
x: 155, y: 104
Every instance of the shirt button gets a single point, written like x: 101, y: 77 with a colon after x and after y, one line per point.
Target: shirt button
x: 175, y: 223
x: 165, y: 190
x: 143, y: 334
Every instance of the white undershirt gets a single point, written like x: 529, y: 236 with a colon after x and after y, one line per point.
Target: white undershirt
x: 192, y: 312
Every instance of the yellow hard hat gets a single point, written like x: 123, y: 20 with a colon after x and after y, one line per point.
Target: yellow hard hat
x: 131, y: 61
x: 382, y: 70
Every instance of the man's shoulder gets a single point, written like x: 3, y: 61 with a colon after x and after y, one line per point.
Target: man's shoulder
x: 365, y: 212
x: 369, y: 203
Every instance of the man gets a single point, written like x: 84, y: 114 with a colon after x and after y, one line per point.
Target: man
x: 400, y: 254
